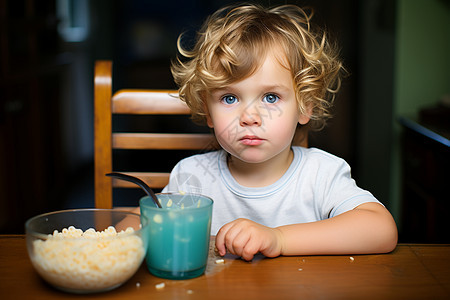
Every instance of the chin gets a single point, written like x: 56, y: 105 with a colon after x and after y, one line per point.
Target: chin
x: 250, y: 157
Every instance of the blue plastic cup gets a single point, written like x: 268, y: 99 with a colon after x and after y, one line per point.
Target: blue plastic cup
x: 178, y: 234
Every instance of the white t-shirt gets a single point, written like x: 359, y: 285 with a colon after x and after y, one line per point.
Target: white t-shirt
x: 316, y: 186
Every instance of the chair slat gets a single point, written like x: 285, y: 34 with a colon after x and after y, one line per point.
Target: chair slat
x: 148, y: 102
x: 160, y: 141
x: 153, y: 180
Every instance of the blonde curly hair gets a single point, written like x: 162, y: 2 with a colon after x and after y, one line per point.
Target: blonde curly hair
x: 234, y: 41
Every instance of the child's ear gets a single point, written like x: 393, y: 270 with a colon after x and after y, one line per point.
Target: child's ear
x: 304, y: 118
x: 207, y: 116
x: 209, y: 121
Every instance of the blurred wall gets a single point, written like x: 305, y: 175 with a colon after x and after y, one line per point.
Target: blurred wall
x: 422, y: 69
x: 375, y: 97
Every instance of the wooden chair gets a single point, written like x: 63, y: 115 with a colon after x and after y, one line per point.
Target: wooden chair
x: 130, y: 102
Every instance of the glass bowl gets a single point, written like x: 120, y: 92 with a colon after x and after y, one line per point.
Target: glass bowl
x: 86, y: 250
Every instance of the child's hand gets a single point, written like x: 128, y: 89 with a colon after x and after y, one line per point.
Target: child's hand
x: 246, y: 238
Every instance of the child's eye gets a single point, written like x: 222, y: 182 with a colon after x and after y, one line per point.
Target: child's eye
x: 271, y: 98
x: 229, y: 99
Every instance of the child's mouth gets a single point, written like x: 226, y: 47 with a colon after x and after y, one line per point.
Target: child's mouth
x: 250, y: 140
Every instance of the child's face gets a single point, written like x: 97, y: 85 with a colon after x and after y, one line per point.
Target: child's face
x: 255, y: 119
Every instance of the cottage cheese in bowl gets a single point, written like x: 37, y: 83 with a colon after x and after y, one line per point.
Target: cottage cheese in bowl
x: 90, y: 260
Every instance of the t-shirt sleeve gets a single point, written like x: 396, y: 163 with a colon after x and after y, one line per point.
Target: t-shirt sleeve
x: 183, y: 179
x: 172, y: 185
x: 342, y: 193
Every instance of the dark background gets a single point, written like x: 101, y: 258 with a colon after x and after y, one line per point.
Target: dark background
x: 46, y: 89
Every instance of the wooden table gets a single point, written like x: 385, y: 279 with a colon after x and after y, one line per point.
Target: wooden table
x: 410, y: 272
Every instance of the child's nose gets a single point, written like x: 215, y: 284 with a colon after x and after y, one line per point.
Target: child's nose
x: 250, y: 116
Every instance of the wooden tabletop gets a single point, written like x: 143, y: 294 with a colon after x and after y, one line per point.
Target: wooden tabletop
x: 409, y: 272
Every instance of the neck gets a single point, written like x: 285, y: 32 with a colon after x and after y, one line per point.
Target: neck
x: 260, y: 174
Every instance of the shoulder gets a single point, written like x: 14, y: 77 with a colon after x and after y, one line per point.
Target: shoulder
x: 195, y: 173
x: 320, y: 158
x: 319, y: 165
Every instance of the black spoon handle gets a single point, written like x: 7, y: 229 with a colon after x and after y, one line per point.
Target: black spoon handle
x: 139, y: 182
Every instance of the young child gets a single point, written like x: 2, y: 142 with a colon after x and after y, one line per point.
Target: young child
x: 255, y: 75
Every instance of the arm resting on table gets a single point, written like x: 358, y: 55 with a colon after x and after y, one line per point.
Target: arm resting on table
x: 369, y: 228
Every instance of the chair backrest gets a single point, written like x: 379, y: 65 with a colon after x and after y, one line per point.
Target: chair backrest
x: 134, y: 102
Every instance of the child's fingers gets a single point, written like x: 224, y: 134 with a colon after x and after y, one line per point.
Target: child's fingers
x: 221, y: 239
x: 250, y: 249
x: 237, y: 237
x: 220, y: 243
x: 227, y: 237
x: 231, y: 236
x: 238, y: 243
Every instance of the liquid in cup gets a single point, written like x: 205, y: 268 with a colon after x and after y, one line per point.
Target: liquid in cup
x: 178, y: 234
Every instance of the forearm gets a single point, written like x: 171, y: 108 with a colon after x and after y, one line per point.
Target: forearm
x: 367, y: 229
